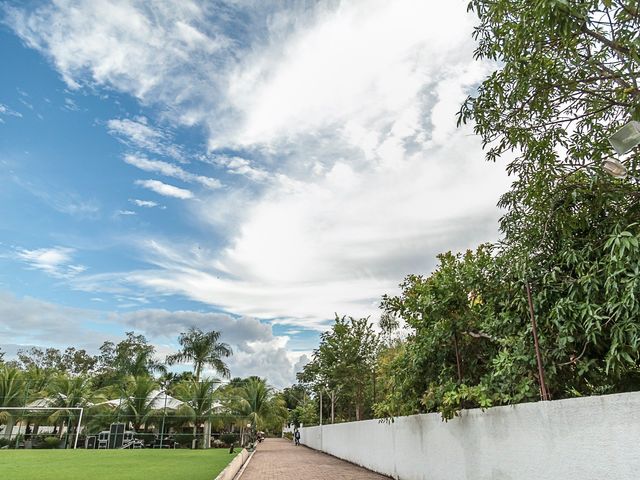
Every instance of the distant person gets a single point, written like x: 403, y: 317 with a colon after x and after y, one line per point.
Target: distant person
x: 296, y: 435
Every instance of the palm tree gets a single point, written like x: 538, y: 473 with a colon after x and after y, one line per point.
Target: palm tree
x: 199, y: 402
x: 65, y: 391
x: 138, y: 395
x: 202, y: 348
x: 12, y: 394
x: 144, y: 364
x: 258, y: 403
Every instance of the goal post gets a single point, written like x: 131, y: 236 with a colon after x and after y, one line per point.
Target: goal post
x: 35, y: 409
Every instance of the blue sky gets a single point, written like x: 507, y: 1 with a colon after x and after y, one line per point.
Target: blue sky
x: 246, y: 166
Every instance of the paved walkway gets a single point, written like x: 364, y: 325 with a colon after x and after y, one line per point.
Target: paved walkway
x: 279, y: 459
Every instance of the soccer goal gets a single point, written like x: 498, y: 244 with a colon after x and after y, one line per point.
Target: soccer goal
x: 36, y: 409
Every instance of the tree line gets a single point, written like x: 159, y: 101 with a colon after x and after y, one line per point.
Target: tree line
x: 125, y: 382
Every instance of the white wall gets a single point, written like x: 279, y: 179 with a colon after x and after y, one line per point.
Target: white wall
x: 592, y: 438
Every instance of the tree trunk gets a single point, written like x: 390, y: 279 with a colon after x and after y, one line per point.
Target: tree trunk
x: 195, y: 435
x: 333, y: 404
x: 458, y: 359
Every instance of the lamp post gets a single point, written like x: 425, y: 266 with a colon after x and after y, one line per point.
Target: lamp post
x: 626, y: 138
x: 623, y: 141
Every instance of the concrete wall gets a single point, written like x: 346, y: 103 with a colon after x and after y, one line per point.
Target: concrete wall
x: 592, y: 438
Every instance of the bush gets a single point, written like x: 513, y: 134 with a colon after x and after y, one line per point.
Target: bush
x: 4, y: 442
x: 51, y: 442
x: 288, y: 435
x: 184, y: 440
x: 229, y: 438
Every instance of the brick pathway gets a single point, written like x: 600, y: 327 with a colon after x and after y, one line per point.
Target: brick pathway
x: 279, y: 459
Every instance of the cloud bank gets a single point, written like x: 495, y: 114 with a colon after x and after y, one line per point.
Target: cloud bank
x: 334, y: 124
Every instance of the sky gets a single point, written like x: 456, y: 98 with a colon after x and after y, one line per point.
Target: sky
x: 248, y: 166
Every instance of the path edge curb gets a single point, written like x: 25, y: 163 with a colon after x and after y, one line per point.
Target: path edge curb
x: 230, y: 471
x: 244, y: 466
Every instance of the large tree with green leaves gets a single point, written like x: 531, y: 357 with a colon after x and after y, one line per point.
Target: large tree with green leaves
x: 343, y: 366
x: 138, y: 401
x: 566, y: 79
x: 446, y: 360
x: 201, y: 349
x: 258, y: 403
x: 199, y: 403
x: 13, y: 392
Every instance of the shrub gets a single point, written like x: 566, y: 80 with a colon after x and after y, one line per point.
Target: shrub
x: 229, y: 438
x: 51, y: 442
x: 288, y: 435
x: 4, y: 442
x: 184, y: 440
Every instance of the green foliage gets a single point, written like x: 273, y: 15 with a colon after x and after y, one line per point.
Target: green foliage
x: 133, y: 356
x: 71, y: 361
x: 199, y: 402
x: 202, y: 348
x: 230, y: 439
x: 137, y: 396
x: 257, y: 402
x: 565, y: 80
x: 446, y: 362
x: 50, y: 442
x: 343, y: 365
x: 305, y: 413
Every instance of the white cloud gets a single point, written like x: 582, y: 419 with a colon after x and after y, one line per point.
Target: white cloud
x: 139, y: 134
x: 126, y: 212
x: 363, y: 64
x: 143, y: 203
x: 345, y: 113
x: 5, y: 110
x: 170, y: 170
x: 237, y: 166
x: 100, y: 39
x: 55, y: 261
x: 29, y: 321
x: 309, y: 249
x: 165, y: 189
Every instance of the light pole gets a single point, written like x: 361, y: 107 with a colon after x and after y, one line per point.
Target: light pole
x: 623, y: 141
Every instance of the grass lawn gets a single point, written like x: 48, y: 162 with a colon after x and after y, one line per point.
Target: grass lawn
x: 113, y: 464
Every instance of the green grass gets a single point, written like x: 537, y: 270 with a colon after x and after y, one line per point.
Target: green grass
x: 113, y: 464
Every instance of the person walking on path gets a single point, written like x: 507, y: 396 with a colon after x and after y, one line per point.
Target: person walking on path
x: 296, y: 435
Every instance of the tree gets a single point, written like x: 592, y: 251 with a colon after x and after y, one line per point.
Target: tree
x: 259, y: 404
x: 344, y: 362
x: 138, y: 396
x: 567, y: 80
x: 12, y: 394
x: 65, y: 391
x: 446, y: 361
x: 199, y: 404
x: 305, y: 413
x: 202, y: 348
x: 49, y: 359
x: 133, y: 356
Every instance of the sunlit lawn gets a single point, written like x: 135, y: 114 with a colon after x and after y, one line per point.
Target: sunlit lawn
x: 113, y: 464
